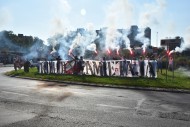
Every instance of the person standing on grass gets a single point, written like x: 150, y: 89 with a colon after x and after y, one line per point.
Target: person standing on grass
x: 135, y: 69
x: 159, y: 64
x: 58, y: 64
x: 151, y: 70
x: 26, y: 66
x: 51, y: 66
x: 170, y: 67
x: 125, y: 67
x: 81, y: 65
x: 141, y: 64
x: 76, y: 66
x: 46, y: 66
x: 104, y: 67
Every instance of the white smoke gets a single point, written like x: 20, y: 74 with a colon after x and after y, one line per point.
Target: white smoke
x: 91, y: 47
x: 5, y: 43
x: 184, y: 71
x: 186, y: 44
x: 58, y: 25
x: 153, y: 14
x: 60, y: 22
x: 85, y: 40
x: 79, y: 39
x: 5, y: 16
x: 64, y: 4
x: 111, y: 41
x: 141, y: 38
x: 117, y: 10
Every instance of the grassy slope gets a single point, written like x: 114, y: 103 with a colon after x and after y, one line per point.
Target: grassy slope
x: 180, y: 81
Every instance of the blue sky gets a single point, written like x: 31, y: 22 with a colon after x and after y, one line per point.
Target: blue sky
x: 44, y: 18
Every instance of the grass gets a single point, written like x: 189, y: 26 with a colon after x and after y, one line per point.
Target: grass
x: 179, y: 81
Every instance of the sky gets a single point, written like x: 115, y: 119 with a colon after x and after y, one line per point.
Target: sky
x: 44, y: 18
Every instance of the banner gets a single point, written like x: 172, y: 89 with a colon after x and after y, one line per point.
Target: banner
x: 123, y: 68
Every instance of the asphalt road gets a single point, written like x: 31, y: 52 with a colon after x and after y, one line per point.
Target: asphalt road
x: 45, y: 104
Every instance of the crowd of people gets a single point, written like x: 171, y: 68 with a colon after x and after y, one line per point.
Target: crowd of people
x: 134, y: 67
x: 56, y: 67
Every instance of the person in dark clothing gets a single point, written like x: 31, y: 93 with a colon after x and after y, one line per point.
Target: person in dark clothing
x: 159, y: 64
x: 46, y: 66
x: 104, y: 67
x: 141, y: 64
x: 50, y: 66
x: 151, y: 70
x: 81, y: 65
x: 125, y: 67
x: 134, y: 67
x: 58, y: 63
x: 131, y: 69
x: 76, y: 66
x: 26, y: 66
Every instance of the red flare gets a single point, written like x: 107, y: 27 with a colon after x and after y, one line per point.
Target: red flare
x: 131, y: 52
x: 168, y: 52
x: 108, y: 51
x: 144, y: 51
x: 171, y: 52
x: 70, y: 51
x: 117, y: 52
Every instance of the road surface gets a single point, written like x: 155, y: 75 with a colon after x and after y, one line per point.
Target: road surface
x: 45, y: 104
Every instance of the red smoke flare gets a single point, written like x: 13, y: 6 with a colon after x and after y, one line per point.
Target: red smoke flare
x: 171, y: 52
x: 118, y: 52
x: 144, y: 51
x: 70, y: 51
x: 109, y: 52
x: 168, y: 52
x: 131, y: 52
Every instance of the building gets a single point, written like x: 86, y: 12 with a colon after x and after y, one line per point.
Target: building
x: 135, y: 39
x: 171, y: 44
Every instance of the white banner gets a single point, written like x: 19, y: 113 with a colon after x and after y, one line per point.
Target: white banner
x: 123, y: 68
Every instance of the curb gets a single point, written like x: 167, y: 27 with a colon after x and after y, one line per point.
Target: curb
x: 110, y: 86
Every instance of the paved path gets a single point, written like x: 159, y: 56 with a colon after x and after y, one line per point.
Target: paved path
x: 36, y: 103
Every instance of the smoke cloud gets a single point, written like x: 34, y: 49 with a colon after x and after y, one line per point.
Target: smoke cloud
x: 153, y: 13
x: 6, y: 44
x: 141, y: 38
x: 5, y: 16
x: 64, y: 4
x: 109, y: 38
x: 117, y: 10
x: 60, y: 23
x: 185, y: 71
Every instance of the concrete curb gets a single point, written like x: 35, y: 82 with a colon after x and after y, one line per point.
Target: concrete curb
x: 111, y: 86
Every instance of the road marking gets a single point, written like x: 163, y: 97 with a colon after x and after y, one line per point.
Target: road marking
x: 113, y: 106
x: 139, y: 103
x: 14, y: 93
